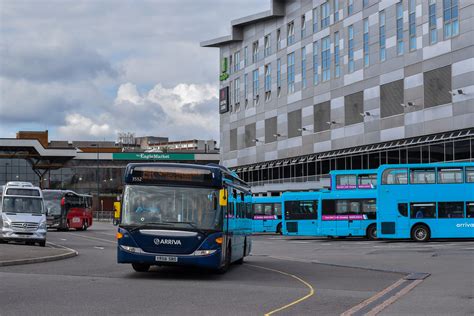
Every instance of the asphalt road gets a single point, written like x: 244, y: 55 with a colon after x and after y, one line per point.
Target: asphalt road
x: 279, y: 272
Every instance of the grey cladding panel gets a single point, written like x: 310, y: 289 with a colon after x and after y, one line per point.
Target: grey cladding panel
x: 250, y: 132
x: 233, y: 139
x: 353, y: 106
x: 294, y: 123
x: 437, y: 86
x: 322, y: 115
x: 391, y: 96
x: 270, y: 130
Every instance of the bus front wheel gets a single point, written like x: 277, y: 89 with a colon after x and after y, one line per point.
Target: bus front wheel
x: 141, y: 267
x: 420, y: 233
x: 372, y: 232
x: 279, y: 231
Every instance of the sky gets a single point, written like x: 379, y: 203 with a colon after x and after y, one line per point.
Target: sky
x: 89, y: 69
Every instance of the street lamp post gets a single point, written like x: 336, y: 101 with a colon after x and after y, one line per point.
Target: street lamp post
x: 97, y: 175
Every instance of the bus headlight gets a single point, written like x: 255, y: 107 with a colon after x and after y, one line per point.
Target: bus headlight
x: 131, y: 249
x: 204, y: 252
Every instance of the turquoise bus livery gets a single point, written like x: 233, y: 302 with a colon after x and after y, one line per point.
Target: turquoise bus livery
x: 423, y: 201
x: 267, y: 214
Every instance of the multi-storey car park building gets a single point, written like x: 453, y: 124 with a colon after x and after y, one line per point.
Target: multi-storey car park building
x: 312, y: 86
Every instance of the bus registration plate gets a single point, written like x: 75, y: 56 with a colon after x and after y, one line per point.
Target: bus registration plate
x: 166, y: 259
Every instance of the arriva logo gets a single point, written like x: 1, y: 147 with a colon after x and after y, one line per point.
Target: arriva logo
x: 465, y: 225
x: 158, y: 241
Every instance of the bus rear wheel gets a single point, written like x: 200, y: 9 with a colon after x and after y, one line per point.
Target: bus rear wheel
x: 141, y: 267
x: 420, y: 233
x: 371, y: 232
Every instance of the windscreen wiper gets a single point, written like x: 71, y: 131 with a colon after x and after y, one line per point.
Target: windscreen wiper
x: 146, y: 225
x: 192, y: 224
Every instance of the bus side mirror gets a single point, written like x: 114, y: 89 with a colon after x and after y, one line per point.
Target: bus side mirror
x: 223, y: 197
x: 116, y: 213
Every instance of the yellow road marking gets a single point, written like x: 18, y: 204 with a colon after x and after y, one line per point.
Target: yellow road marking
x: 311, y: 289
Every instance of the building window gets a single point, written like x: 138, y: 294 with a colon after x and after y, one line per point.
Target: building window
x: 382, y: 52
x: 290, y: 33
x: 350, y: 7
x: 291, y: 72
x: 303, y: 67
x: 326, y: 58
x: 366, y: 42
x: 246, y: 56
x: 237, y: 61
x: 350, y: 45
x: 412, y: 24
x: 303, y: 26
x: 337, y: 65
x: 437, y: 86
x: 278, y: 73
x: 268, y: 81
x: 315, y: 20
x: 231, y: 65
x: 231, y: 92
x: 255, y: 52
x: 353, y: 106
x: 322, y: 115
x: 278, y: 39
x: 400, y: 28
x: 391, y: 98
x: 246, y: 79
x: 365, y: 3
x: 237, y: 92
x: 315, y: 63
x: 294, y: 124
x: 325, y: 12
x: 451, y: 18
x: 336, y: 10
x: 432, y: 22
x: 255, y: 86
x: 268, y: 47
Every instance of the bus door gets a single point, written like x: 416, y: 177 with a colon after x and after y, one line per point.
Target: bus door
x: 355, y: 218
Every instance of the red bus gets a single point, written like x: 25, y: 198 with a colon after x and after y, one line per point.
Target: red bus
x: 67, y: 209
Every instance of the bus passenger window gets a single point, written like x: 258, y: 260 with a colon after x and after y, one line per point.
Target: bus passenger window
x: 395, y: 176
x: 277, y: 207
x: 470, y: 174
x: 470, y: 209
x: 258, y: 209
x: 451, y: 175
x: 369, y: 208
x: 403, y: 209
x: 268, y: 209
x: 367, y: 181
x: 346, y: 181
x: 450, y: 209
x: 422, y: 176
x: 422, y: 210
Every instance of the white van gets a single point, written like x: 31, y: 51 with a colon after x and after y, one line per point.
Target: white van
x: 22, y: 214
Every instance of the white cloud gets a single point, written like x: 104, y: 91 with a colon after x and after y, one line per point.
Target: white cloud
x: 78, y: 125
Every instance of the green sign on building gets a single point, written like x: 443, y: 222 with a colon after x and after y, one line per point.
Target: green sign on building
x: 152, y: 156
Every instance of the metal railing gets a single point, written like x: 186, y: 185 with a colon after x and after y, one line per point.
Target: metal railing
x: 103, y: 216
x: 313, y: 178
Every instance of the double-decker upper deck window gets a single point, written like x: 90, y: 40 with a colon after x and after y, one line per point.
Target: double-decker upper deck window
x: 450, y: 175
x: 395, y: 176
x: 367, y: 181
x: 422, y: 176
x: 346, y: 181
x: 470, y: 174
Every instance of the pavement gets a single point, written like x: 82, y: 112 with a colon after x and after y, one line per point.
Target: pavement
x: 18, y: 253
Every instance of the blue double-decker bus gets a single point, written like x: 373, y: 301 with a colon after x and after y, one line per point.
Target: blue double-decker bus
x: 267, y: 214
x: 183, y: 214
x: 348, y: 209
x: 423, y: 201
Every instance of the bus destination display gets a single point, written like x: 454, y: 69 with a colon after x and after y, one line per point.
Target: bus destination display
x: 170, y: 174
